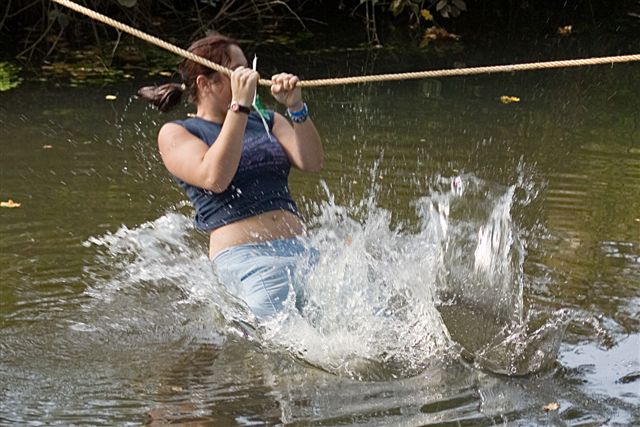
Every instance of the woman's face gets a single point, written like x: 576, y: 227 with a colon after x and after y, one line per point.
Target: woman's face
x: 236, y: 59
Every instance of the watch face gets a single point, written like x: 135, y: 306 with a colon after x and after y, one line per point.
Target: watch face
x: 237, y: 108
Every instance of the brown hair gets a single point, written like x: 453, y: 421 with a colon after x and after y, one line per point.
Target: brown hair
x: 215, y: 48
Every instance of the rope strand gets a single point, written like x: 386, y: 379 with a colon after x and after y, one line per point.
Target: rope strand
x: 356, y: 79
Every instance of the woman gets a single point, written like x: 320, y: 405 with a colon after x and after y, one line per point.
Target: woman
x: 236, y: 173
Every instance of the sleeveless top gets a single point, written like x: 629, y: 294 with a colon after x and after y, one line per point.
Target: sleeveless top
x: 259, y: 185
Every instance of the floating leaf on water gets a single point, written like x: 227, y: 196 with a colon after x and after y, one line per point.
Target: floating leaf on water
x: 553, y: 406
x: 509, y: 99
x: 110, y: 97
x: 566, y: 30
x: 9, y: 204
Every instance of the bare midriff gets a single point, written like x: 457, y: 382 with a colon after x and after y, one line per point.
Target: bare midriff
x: 279, y: 224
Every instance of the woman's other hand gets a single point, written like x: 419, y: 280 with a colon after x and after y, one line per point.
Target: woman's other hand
x: 286, y: 91
x: 244, y: 82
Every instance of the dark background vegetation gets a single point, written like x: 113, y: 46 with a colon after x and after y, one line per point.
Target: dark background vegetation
x: 33, y: 31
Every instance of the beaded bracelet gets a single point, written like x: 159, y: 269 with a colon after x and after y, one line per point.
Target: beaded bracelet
x: 299, y: 116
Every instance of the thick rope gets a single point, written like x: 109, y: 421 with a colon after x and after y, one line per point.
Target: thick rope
x: 472, y: 70
x: 356, y: 79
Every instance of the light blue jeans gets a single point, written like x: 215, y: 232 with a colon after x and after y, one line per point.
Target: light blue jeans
x: 262, y: 274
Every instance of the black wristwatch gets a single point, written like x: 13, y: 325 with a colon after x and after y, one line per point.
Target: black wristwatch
x: 237, y: 108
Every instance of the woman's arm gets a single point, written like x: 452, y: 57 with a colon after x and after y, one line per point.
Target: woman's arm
x: 190, y: 159
x: 300, y: 141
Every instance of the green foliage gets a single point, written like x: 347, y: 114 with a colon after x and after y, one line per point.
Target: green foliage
x: 9, y: 76
x: 419, y: 13
x: 38, y: 30
x: 450, y: 8
x: 445, y: 8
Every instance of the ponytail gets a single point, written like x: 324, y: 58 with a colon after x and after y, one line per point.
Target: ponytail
x: 163, y: 97
x: 214, y: 47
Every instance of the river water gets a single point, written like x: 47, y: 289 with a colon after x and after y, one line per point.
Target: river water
x: 479, y: 261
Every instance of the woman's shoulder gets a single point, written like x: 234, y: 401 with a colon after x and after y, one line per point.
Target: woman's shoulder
x: 203, y: 129
x: 195, y: 122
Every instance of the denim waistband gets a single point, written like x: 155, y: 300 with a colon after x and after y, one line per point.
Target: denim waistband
x: 282, y: 247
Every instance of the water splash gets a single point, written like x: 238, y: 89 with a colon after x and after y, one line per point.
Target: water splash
x: 369, y: 300
x: 384, y: 300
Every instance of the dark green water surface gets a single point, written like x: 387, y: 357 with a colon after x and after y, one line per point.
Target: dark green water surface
x: 73, y: 352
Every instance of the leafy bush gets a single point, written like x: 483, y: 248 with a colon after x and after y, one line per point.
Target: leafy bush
x: 9, y: 76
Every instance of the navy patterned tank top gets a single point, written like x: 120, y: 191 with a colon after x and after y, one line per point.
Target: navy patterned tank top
x: 259, y: 185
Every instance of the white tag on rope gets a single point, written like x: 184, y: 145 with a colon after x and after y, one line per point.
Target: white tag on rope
x: 255, y: 67
x: 255, y: 99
